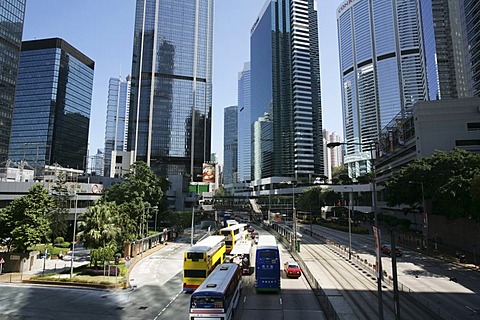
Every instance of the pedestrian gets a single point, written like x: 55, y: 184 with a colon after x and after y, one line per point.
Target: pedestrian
x: 60, y: 255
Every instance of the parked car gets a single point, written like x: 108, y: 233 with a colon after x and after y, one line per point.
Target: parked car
x: 387, y: 249
x: 292, y: 269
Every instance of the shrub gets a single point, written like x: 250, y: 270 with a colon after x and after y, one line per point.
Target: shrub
x: 97, y: 271
x: 59, y: 240
x: 63, y: 245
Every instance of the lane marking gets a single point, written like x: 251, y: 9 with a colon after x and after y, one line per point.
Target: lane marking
x: 168, y: 305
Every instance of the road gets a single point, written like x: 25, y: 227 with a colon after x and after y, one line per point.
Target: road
x: 427, y: 278
x: 155, y: 294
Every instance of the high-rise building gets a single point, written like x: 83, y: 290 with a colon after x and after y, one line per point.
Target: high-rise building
x: 171, y: 89
x: 333, y: 156
x: 116, y: 128
x: 285, y: 83
x: 12, y: 13
x: 382, y: 70
x: 244, y: 125
x: 469, y: 10
x: 262, y: 153
x: 444, y: 48
x: 53, y: 98
x: 230, y: 144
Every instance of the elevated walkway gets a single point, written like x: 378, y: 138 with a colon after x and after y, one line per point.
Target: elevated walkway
x: 255, y: 206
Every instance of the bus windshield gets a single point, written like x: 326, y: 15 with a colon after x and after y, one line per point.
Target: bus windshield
x: 210, y: 302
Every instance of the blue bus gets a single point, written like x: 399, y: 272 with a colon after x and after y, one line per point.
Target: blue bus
x: 218, y: 295
x: 267, y: 264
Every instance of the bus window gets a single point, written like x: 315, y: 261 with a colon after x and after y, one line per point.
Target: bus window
x: 207, y: 302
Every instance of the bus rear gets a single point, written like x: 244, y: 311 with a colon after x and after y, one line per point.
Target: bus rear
x: 218, y: 296
x: 267, y: 265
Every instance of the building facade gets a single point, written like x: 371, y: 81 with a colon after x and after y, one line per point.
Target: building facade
x: 53, y: 98
x: 230, y: 144
x: 12, y: 13
x: 285, y: 83
x: 244, y: 171
x: 116, y: 127
x: 382, y: 70
x: 444, y: 47
x: 262, y: 153
x: 171, y: 87
x: 471, y: 24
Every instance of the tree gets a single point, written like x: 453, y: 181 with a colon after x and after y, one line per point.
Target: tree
x: 140, y: 191
x: 449, y: 183
x: 100, y: 226
x: 58, y: 215
x: 311, y: 200
x: 25, y: 221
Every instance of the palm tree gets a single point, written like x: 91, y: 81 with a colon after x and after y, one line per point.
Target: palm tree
x: 98, y: 228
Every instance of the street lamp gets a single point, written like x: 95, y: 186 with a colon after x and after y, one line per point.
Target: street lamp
x: 372, y: 145
x: 294, y: 213
x: 350, y: 223
x: 74, y: 234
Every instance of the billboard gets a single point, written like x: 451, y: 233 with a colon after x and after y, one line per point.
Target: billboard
x: 208, y: 172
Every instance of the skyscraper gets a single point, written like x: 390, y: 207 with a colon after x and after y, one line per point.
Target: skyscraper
x: 244, y: 125
x: 444, y: 47
x: 382, y: 69
x: 285, y: 84
x: 471, y: 25
x: 116, y: 128
x: 12, y: 13
x: 230, y: 144
x: 51, y: 117
x: 171, y: 94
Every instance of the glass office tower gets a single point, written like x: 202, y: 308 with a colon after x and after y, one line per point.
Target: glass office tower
x: 12, y: 13
x: 51, y: 117
x: 116, y: 128
x: 285, y: 82
x: 471, y: 25
x: 382, y: 70
x: 444, y: 48
x: 171, y: 94
x: 230, y: 144
x: 244, y: 125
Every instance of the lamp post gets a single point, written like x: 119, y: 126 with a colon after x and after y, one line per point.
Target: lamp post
x: 74, y: 234
x: 372, y: 145
x: 294, y: 213
x: 156, y: 215
x: 350, y: 223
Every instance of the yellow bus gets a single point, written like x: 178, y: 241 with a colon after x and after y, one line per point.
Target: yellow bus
x: 234, y: 233
x: 200, y: 260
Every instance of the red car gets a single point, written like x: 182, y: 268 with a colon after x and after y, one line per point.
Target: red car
x: 292, y: 269
x: 386, y: 249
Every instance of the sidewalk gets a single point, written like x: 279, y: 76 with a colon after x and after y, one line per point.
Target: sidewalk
x: 40, y: 266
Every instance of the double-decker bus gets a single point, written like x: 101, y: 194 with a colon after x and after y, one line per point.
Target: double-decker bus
x: 267, y: 264
x: 242, y: 253
x: 200, y: 260
x: 233, y: 234
x: 218, y: 295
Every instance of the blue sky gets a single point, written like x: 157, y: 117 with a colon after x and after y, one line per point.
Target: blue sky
x: 103, y: 30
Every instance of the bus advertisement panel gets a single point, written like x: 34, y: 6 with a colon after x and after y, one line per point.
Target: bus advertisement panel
x: 267, y: 264
x: 200, y: 260
x: 218, y: 295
